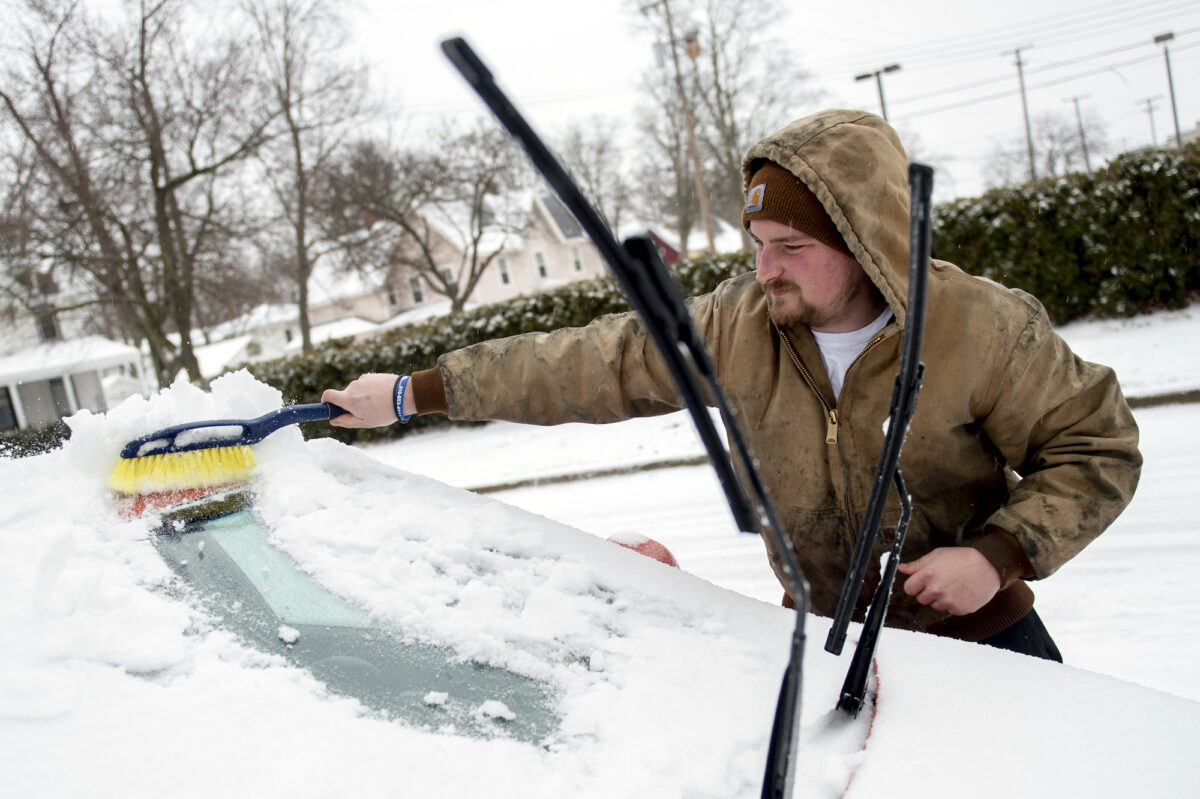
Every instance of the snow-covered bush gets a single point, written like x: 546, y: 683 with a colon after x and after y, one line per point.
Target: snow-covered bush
x: 1120, y: 241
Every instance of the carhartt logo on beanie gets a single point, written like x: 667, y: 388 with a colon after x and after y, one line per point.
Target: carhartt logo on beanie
x: 780, y: 196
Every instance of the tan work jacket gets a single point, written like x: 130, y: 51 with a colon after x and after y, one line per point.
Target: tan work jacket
x: 1017, y: 446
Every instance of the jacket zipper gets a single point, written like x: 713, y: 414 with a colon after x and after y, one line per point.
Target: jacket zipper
x: 831, y: 423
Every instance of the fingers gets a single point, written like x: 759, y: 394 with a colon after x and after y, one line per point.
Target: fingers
x: 368, y: 401
x: 954, y: 579
x: 914, y: 565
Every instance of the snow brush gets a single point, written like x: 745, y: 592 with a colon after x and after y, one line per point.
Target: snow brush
x: 191, y: 460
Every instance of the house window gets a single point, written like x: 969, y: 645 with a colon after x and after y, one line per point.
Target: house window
x: 540, y: 258
x: 48, y: 324
x: 58, y: 393
x: 392, y: 299
x: 502, y: 265
x: 287, y: 335
x: 8, y: 414
x: 577, y: 259
x: 448, y: 278
x: 414, y: 285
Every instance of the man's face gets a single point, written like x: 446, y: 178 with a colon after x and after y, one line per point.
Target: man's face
x: 810, y: 283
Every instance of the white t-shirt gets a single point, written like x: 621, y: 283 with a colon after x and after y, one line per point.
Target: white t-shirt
x: 838, y: 350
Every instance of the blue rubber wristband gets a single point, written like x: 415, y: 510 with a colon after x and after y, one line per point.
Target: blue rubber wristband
x: 398, y: 398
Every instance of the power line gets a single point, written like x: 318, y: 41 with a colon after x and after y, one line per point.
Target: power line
x: 1061, y: 36
x: 969, y: 46
x: 1031, y: 70
x: 1042, y: 85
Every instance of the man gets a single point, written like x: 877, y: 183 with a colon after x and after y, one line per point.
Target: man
x: 1019, y: 454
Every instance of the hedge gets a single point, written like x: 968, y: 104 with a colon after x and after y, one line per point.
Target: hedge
x: 1121, y: 241
x: 33, y: 441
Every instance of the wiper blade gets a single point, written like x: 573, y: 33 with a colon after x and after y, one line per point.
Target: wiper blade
x: 647, y: 284
x: 904, y: 401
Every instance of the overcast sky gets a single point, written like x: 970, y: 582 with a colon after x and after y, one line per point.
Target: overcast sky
x: 563, y: 61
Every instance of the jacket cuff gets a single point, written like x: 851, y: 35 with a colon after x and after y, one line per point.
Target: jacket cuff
x: 1004, y: 552
x: 429, y: 391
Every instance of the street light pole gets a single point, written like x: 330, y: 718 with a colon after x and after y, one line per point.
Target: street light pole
x: 878, y: 76
x: 1162, y: 39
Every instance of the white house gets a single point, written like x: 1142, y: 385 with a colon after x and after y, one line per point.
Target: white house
x: 550, y: 251
x: 45, y: 382
x: 52, y: 364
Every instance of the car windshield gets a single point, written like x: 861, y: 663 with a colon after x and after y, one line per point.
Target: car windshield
x: 259, y: 593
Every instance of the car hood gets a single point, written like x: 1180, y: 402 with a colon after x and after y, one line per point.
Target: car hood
x: 115, y: 682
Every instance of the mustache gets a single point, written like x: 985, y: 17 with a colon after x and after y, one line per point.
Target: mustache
x: 780, y: 283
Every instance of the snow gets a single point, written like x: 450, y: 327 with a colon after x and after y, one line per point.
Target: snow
x: 112, y: 683
x: 55, y: 358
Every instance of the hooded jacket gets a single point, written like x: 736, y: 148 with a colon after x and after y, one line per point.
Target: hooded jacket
x: 1017, y: 447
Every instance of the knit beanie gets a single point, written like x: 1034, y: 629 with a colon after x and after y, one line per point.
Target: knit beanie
x: 780, y: 196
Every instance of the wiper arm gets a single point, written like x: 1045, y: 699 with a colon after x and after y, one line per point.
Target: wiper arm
x: 904, y: 402
x: 644, y: 278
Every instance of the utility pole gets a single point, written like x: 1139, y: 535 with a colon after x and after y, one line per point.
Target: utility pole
x: 1025, y: 106
x: 1162, y: 39
x: 878, y: 76
x: 1087, y: 164
x: 690, y: 128
x: 1149, y: 103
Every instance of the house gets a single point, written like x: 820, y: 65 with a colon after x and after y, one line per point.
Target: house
x: 549, y: 250
x: 543, y: 247
x: 728, y: 238
x: 1190, y: 136
x: 52, y: 364
x: 45, y: 382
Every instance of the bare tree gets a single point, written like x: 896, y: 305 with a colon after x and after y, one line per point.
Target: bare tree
x: 133, y: 127
x: 592, y: 153
x: 1059, y: 144
x: 663, y: 181
x: 748, y: 85
x: 321, y: 97
x: 739, y: 82
x: 445, y: 214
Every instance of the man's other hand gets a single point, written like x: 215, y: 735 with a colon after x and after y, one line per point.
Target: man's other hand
x: 955, y: 579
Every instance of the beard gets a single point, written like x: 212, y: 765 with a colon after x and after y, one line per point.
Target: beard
x: 791, y: 309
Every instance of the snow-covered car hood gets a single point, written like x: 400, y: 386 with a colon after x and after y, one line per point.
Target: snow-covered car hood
x: 115, y: 682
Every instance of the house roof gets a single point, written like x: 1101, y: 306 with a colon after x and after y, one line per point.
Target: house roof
x: 422, y: 313
x: 728, y: 237
x: 57, y: 358
x: 338, y: 328
x: 219, y: 356
x: 566, y: 223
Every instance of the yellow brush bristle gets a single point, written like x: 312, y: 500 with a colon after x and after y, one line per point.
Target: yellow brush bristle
x: 175, y: 471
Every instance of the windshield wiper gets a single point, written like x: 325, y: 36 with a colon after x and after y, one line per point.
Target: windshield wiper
x: 651, y: 292
x: 904, y: 402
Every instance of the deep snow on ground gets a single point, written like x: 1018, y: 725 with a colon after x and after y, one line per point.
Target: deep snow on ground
x: 114, y: 683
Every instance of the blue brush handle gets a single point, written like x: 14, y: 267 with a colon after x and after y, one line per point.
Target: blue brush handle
x: 228, y: 432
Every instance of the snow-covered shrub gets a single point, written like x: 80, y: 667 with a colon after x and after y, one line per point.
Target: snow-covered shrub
x: 1123, y: 240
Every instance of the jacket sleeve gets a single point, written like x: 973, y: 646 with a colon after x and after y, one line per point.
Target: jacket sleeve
x: 1065, y: 428
x: 607, y: 371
